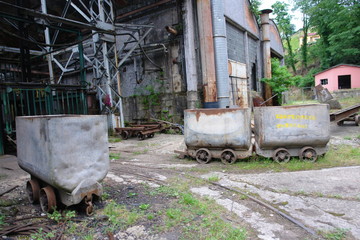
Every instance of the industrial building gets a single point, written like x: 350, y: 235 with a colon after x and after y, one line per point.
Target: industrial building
x: 131, y: 60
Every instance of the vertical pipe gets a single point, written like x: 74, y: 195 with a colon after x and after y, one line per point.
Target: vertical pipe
x: 221, y: 56
x: 122, y: 122
x: 189, y: 49
x: 265, y: 27
x: 207, y: 51
x: 47, y: 41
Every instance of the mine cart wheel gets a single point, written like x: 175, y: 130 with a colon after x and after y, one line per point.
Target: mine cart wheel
x: 340, y: 123
x: 141, y: 136
x: 308, y: 154
x: 151, y: 135
x: 203, y: 155
x: 47, y: 199
x: 228, y: 156
x: 281, y: 155
x: 33, y: 190
x: 357, y: 120
x: 125, y: 135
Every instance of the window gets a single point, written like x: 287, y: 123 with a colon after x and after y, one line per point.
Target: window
x: 324, y: 81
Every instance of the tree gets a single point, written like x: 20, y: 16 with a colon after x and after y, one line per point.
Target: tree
x: 337, y: 22
x: 283, y: 21
x: 304, y: 6
x: 281, y: 79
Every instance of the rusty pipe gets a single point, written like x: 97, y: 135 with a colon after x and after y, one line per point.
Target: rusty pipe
x: 171, y: 30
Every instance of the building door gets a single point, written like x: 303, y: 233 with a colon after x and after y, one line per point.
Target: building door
x: 344, y: 81
x: 253, y: 77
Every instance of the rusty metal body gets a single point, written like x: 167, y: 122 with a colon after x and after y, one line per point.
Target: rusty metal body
x: 217, y: 132
x: 68, y: 152
x: 290, y: 129
x: 139, y: 130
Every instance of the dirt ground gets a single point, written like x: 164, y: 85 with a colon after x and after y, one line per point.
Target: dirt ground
x: 317, y: 201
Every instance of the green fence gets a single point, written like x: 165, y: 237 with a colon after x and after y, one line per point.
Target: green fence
x: 23, y: 101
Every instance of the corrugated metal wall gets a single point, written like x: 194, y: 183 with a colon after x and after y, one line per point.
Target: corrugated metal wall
x: 236, y: 43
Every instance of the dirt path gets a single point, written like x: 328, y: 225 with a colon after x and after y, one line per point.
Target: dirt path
x: 322, y: 200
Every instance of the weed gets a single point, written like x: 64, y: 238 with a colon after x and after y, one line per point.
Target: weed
x: 41, y: 235
x: 150, y: 216
x: 105, y: 196
x: 338, y: 234
x: 131, y: 194
x: 144, y: 206
x: 61, y: 217
x: 119, y: 216
x: 170, y: 192
x: 141, y: 152
x: 347, y: 138
x: 2, y: 220
x: 115, y: 156
x: 188, y: 199
x: 214, y: 178
x: 114, y: 140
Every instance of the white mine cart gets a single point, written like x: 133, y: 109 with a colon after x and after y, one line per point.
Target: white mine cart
x: 282, y: 132
x: 218, y: 133
x: 66, y: 155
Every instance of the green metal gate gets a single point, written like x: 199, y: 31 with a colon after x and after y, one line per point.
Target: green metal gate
x: 37, y: 100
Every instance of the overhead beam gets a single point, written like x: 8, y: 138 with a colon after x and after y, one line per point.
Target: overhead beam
x: 54, y: 18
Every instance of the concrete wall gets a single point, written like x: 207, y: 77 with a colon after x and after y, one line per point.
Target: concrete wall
x: 153, y: 86
x: 350, y: 93
x: 332, y: 75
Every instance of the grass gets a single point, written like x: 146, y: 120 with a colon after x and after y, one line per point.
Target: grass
x: 337, y: 156
x: 119, y: 216
x: 214, y: 178
x: 114, y: 139
x: 196, y: 218
x: 115, y: 156
x: 338, y: 234
x: 347, y: 102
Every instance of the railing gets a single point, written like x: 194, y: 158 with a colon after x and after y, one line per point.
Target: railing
x: 36, y: 100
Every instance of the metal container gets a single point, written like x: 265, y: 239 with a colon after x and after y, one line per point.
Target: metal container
x: 218, y: 133
x: 68, y: 152
x: 218, y: 128
x: 291, y: 127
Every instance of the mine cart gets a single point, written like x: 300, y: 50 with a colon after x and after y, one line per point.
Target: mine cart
x: 66, y: 155
x: 218, y: 133
x: 141, y: 131
x: 282, y: 132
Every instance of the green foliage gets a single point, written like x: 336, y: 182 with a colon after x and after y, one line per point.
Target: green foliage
x: 115, y: 156
x: 213, y: 178
x: 2, y: 220
x: 254, y: 8
x: 283, y: 21
x: 61, y: 217
x: 281, y: 78
x: 119, y: 216
x: 41, y: 235
x: 338, y: 234
x: 144, y: 206
x: 337, y: 22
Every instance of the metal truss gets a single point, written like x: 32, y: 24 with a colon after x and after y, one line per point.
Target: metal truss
x: 98, y: 53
